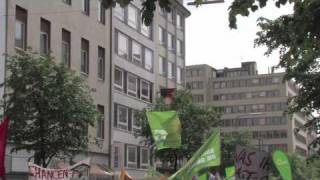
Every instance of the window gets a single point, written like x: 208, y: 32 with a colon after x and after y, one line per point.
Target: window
x: 118, y: 78
x: 170, y: 15
x: 85, y: 6
x: 123, y: 46
x: 178, y: 21
x: 170, y: 73
x: 101, y: 12
x: 85, y: 56
x: 101, y: 63
x: 44, y: 37
x: 100, y: 122
x: 148, y: 59
x: 132, y: 85
x: 122, y: 117
x: 145, y: 90
x: 162, y: 66
x: 179, y: 46
x: 20, y: 38
x: 179, y: 73
x: 116, y: 158
x: 65, y: 47
x: 132, y: 156
x: 146, y: 30
x: 132, y: 16
x: 67, y: 2
x: 119, y: 12
x: 170, y: 41
x: 136, y: 53
x: 144, y: 158
x: 161, y: 35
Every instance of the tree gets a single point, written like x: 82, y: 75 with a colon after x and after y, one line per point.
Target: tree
x: 197, y: 123
x: 297, y: 38
x: 50, y: 109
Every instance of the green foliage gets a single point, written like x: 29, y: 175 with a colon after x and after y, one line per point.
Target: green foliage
x: 197, y: 123
x: 49, y: 107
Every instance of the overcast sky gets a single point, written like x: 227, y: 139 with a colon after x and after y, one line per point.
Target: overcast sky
x: 209, y: 39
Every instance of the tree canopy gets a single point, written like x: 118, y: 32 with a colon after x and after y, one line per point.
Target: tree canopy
x: 49, y: 107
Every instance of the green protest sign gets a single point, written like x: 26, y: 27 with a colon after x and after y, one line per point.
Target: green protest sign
x: 282, y: 163
x: 208, y: 155
x: 165, y: 128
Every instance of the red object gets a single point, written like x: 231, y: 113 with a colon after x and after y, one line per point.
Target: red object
x: 3, y: 141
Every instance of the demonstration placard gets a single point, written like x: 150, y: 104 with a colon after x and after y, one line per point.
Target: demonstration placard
x: 251, y: 164
x: 79, y: 170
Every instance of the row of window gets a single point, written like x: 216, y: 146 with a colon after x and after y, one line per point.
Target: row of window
x: 271, y: 134
x: 169, y: 40
x: 250, y: 108
x: 246, y: 82
x: 167, y: 69
x: 133, y: 51
x: 271, y: 147
x: 195, y: 85
x: 194, y: 72
x: 134, y: 156
x: 130, y: 15
x: 124, y: 118
x: 246, y: 95
x: 45, y: 41
x: 197, y: 98
x: 255, y: 121
x: 174, y: 17
x: 132, y: 85
x: 85, y: 9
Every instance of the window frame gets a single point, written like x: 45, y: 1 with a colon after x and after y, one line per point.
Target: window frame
x: 179, y: 75
x: 170, y: 42
x: 132, y: 23
x: 101, y: 123
x: 146, y: 65
x: 85, y: 7
x: 133, y: 59
x: 129, y: 91
x: 101, y: 12
x: 101, y: 67
x: 142, y: 164
x: 119, y: 15
x: 170, y: 72
x: 23, y: 34
x: 122, y: 79
x: 142, y: 96
x: 68, y: 2
x: 134, y: 163
x: 119, y: 122
x: 125, y: 54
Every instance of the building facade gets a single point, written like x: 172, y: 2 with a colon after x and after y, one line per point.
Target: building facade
x: 124, y: 62
x: 251, y: 102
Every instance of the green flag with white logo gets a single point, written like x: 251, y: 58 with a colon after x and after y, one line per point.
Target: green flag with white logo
x: 166, y: 129
x: 281, y: 161
x: 230, y: 172
x: 209, y: 155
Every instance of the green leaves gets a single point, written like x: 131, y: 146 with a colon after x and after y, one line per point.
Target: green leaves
x: 50, y: 108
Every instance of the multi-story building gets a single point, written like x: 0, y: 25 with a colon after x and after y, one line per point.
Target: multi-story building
x: 124, y: 62
x: 251, y: 102
x: 144, y: 60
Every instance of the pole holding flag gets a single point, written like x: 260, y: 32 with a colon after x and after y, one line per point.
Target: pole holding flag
x: 3, y: 141
x: 208, y: 155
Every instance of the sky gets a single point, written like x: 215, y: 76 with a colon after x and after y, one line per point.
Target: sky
x: 209, y: 40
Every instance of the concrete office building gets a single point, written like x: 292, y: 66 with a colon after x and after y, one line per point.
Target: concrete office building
x: 124, y: 62
x: 251, y: 101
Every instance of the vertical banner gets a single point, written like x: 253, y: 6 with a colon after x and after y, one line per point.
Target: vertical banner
x: 251, y: 164
x: 79, y: 170
x: 3, y: 141
x: 281, y: 162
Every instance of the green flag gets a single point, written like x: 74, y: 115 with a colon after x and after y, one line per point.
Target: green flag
x: 230, y: 172
x: 282, y: 163
x: 165, y: 128
x: 208, y: 155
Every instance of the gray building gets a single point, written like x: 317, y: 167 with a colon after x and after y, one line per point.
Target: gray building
x: 251, y: 102
x: 124, y: 62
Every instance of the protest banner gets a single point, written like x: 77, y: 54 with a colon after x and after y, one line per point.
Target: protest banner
x: 251, y: 164
x: 79, y: 170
